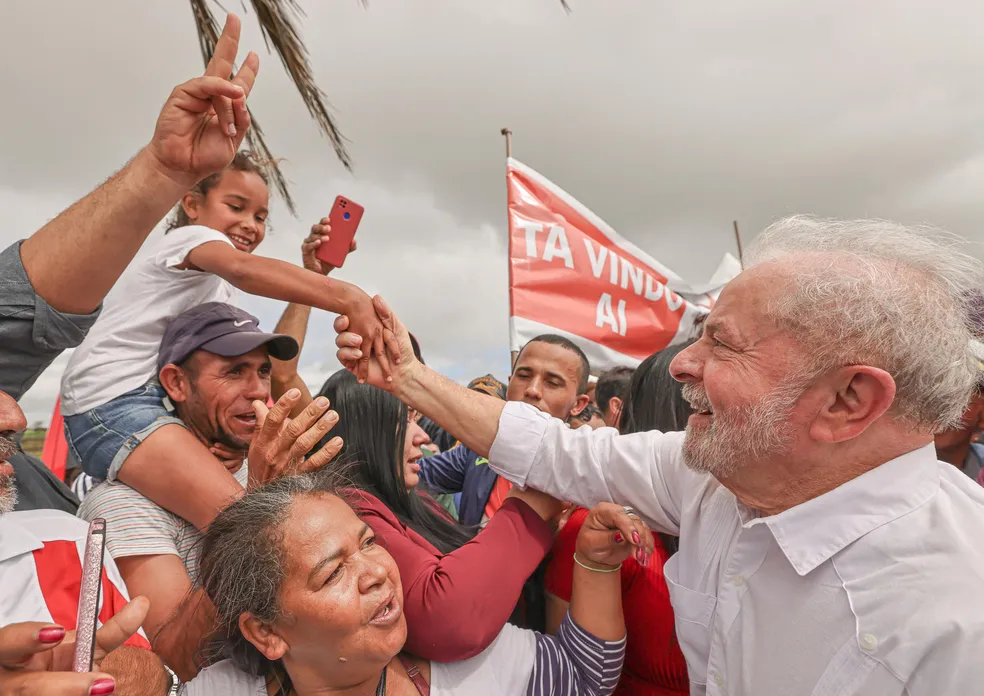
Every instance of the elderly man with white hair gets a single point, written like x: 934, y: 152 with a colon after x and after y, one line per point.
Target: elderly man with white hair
x: 823, y: 548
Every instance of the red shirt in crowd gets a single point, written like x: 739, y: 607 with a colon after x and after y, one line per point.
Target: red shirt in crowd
x: 457, y: 603
x: 654, y: 665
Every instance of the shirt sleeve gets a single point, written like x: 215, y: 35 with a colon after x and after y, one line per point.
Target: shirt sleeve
x: 457, y: 604
x: 587, y: 466
x: 180, y: 242
x: 135, y: 526
x: 445, y: 472
x: 32, y: 333
x: 575, y: 663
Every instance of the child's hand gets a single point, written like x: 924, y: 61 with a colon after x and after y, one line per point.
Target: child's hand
x: 231, y: 459
x: 309, y: 248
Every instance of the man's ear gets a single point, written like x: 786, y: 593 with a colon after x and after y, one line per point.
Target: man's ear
x: 263, y: 636
x: 856, y: 396
x: 614, y: 412
x: 580, y: 404
x: 175, y: 382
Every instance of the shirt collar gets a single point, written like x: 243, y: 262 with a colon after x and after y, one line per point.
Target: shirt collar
x: 15, y: 538
x: 811, y: 533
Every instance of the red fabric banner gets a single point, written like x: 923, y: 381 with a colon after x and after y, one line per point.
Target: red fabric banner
x: 572, y: 274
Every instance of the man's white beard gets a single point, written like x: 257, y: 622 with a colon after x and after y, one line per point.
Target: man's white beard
x: 8, y: 494
x: 740, y: 435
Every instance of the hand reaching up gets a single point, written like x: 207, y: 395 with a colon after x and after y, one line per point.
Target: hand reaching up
x: 320, y: 233
x: 203, y: 122
x: 610, y: 534
x: 281, y: 443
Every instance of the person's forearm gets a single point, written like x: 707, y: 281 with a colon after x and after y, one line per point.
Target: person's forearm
x: 75, y: 259
x: 457, y: 604
x: 471, y: 417
x: 279, y: 280
x: 596, y: 603
x: 137, y: 672
x: 186, y: 631
x: 284, y: 376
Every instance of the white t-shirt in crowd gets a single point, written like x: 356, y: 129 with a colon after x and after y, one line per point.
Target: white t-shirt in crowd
x: 137, y: 526
x: 502, y: 669
x: 120, y: 352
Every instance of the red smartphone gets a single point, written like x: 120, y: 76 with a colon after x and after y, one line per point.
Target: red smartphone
x: 92, y: 567
x: 345, y: 217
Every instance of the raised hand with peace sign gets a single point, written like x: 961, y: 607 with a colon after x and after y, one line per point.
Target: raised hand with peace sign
x: 75, y: 259
x: 204, y: 121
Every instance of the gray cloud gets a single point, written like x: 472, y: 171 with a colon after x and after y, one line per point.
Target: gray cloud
x: 669, y: 119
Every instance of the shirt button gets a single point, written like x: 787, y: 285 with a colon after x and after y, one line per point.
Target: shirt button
x: 738, y: 580
x: 868, y: 642
x: 718, y: 679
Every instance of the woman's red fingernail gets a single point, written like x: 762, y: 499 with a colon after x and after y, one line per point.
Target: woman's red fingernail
x: 51, y: 635
x: 102, y: 687
x: 636, y: 538
x: 618, y: 537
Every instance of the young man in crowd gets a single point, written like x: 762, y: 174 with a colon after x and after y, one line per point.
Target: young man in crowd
x: 823, y: 547
x: 551, y: 374
x: 53, y: 284
x: 214, y: 364
x: 609, y: 392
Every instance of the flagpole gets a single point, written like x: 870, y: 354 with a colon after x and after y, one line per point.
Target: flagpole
x: 741, y: 256
x: 507, y: 134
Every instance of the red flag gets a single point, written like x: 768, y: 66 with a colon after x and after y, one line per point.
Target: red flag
x: 55, y: 452
x: 573, y: 275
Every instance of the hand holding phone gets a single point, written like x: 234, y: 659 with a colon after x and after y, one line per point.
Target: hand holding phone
x: 92, y: 568
x: 345, y: 217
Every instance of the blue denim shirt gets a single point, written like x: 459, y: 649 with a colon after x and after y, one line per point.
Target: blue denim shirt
x: 32, y: 335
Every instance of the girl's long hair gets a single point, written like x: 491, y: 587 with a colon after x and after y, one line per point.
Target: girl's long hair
x: 373, y: 425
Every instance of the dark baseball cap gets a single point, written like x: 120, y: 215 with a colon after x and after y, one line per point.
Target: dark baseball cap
x: 221, y: 329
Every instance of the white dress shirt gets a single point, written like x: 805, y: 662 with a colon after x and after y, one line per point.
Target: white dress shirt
x: 876, y: 587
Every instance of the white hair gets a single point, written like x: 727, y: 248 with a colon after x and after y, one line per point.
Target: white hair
x: 873, y: 292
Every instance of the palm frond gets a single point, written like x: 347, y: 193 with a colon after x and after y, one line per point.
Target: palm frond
x: 208, y: 35
x: 278, y: 22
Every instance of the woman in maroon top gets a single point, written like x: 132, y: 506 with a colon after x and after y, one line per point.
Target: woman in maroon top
x: 654, y: 665
x: 460, y: 586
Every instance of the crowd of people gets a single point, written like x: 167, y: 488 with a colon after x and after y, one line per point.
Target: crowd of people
x: 788, y: 504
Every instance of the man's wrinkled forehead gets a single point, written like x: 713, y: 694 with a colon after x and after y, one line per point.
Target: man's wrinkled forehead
x: 741, y: 312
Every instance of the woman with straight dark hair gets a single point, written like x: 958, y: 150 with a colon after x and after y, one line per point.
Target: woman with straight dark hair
x: 385, y: 463
x: 461, y: 585
x: 654, y: 665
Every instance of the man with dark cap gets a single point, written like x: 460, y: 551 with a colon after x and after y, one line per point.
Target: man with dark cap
x: 214, y: 364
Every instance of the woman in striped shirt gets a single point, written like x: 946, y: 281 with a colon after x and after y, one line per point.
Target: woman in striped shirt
x: 308, y: 603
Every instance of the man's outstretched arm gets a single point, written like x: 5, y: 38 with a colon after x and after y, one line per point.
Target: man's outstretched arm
x: 75, y: 259
x: 529, y: 447
x: 469, y: 416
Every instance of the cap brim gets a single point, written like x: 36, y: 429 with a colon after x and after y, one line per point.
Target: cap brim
x: 235, y: 344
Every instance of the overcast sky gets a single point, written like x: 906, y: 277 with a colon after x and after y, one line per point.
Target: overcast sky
x: 668, y: 118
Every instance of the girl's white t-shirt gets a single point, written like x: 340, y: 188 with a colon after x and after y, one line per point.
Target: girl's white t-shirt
x: 502, y: 669
x: 120, y: 352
